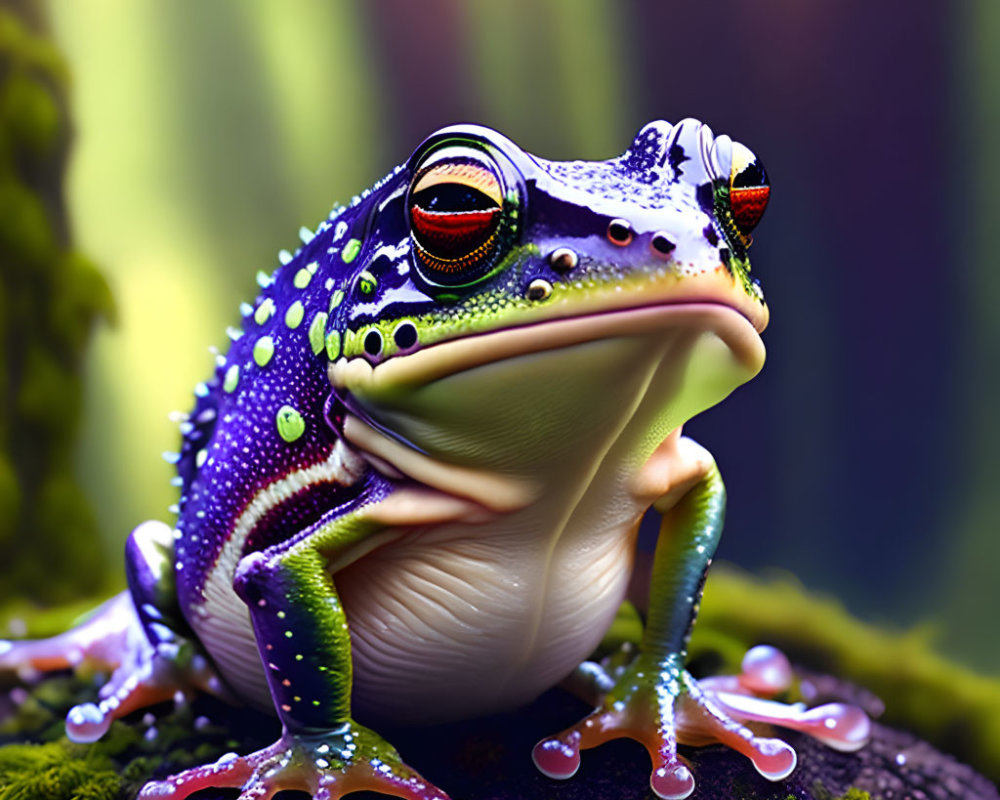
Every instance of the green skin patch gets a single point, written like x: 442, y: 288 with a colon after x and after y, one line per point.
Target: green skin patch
x: 351, y: 250
x: 263, y: 350
x: 231, y: 380
x: 317, y: 332
x: 333, y: 345
x: 264, y: 311
x: 293, y: 317
x: 304, y: 275
x: 290, y: 423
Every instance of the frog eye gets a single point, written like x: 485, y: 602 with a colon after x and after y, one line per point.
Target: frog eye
x: 748, y: 189
x: 456, y: 210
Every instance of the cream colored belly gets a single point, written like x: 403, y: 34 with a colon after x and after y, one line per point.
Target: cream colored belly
x: 468, y: 625
x: 453, y: 623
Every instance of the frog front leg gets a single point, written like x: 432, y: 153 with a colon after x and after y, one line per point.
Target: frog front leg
x: 304, y: 644
x: 654, y: 699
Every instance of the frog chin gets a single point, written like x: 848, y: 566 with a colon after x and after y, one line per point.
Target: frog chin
x: 526, y: 405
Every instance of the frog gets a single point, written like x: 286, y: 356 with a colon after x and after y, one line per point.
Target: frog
x: 411, y: 489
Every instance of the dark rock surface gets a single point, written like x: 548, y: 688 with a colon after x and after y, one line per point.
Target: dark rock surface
x: 490, y: 760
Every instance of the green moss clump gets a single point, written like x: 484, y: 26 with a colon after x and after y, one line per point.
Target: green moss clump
x: 55, y: 772
x: 50, y: 299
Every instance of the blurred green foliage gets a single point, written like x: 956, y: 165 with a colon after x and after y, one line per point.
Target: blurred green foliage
x: 50, y: 298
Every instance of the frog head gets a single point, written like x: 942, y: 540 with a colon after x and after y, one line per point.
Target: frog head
x: 508, y: 312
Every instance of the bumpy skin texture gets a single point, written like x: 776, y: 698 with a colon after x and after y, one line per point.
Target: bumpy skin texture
x: 414, y: 482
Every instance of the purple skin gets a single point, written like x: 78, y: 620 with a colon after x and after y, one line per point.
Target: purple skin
x: 239, y: 598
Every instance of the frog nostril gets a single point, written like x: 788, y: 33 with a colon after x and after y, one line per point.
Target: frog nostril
x: 373, y: 342
x: 405, y: 335
x: 619, y: 232
x: 661, y: 245
x: 563, y: 260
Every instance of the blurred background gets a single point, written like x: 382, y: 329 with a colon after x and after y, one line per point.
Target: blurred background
x: 865, y: 459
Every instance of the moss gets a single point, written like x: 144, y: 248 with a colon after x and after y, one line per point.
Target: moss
x: 50, y: 299
x: 55, y: 772
x: 53, y: 767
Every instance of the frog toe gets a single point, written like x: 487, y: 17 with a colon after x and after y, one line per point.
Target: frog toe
x: 325, y: 767
x: 662, y: 706
x: 559, y: 756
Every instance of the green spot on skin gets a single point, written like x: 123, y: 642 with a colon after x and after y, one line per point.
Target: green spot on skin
x: 335, y: 301
x: 316, y: 331
x: 367, y: 283
x: 302, y: 278
x: 333, y: 345
x: 290, y: 427
x: 232, y: 379
x: 264, y: 311
x: 263, y: 350
x: 351, y: 250
x: 293, y: 317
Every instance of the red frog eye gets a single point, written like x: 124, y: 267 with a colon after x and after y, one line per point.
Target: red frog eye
x: 456, y: 210
x: 749, y: 189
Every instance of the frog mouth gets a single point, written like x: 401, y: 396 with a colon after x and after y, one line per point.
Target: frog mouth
x: 729, y: 323
x: 515, y: 403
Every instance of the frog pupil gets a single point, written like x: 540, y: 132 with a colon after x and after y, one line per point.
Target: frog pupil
x: 452, y: 197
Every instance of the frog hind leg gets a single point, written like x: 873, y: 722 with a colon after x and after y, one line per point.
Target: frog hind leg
x: 302, y: 636
x: 136, y: 637
x: 653, y: 699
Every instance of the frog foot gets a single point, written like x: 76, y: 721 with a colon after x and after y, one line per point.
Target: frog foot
x: 326, y: 766
x: 661, y: 705
x: 111, y: 640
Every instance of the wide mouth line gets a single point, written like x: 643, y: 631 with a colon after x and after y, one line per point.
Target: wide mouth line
x: 452, y: 356
x: 693, y: 302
